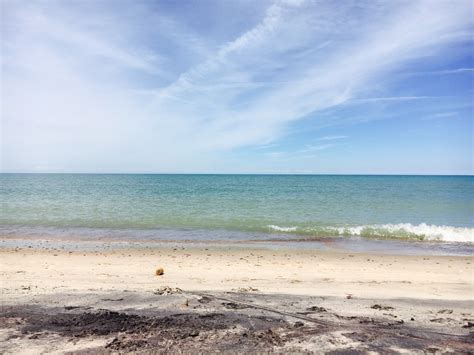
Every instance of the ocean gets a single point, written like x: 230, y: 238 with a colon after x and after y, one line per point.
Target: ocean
x: 299, y: 207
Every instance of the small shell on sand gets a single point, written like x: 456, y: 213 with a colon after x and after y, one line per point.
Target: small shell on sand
x: 159, y: 271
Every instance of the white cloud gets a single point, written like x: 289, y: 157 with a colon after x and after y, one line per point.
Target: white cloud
x: 82, y: 94
x: 455, y: 71
x: 392, y: 98
x: 315, y: 148
x: 309, y: 151
x: 331, y: 138
x: 318, y: 83
x: 445, y: 72
x: 441, y: 115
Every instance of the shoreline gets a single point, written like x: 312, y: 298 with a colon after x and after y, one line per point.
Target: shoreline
x: 389, y: 232
x: 387, y: 246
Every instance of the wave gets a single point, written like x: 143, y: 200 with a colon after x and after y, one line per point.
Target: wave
x: 241, y: 230
x: 282, y: 229
x: 421, y: 231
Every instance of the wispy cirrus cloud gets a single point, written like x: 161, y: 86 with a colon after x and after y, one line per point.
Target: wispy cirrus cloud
x: 391, y: 99
x: 455, y: 71
x: 306, y: 152
x: 445, y: 72
x: 246, y: 116
x: 153, y: 91
x: 441, y: 115
x: 315, y: 148
x: 330, y: 138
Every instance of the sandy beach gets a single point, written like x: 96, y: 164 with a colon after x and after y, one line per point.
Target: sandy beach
x: 237, y: 177
x: 239, y: 299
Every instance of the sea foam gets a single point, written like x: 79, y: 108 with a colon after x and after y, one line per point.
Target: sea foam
x: 282, y: 229
x: 421, y: 231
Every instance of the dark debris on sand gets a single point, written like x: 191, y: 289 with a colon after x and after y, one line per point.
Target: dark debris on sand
x: 228, y: 329
x: 214, y: 331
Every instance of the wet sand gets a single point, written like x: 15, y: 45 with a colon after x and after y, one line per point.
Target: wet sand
x: 231, y: 299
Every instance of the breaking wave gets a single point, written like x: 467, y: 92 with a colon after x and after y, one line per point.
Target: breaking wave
x: 421, y: 231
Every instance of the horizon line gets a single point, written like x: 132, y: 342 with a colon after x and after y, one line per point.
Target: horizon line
x: 263, y: 174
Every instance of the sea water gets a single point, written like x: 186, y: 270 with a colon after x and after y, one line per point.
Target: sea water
x: 419, y: 208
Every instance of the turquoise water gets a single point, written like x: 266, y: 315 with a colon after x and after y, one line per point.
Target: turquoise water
x: 413, y: 207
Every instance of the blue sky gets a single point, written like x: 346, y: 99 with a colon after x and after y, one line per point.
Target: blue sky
x: 378, y: 87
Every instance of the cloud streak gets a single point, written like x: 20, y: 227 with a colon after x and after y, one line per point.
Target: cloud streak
x: 242, y: 116
x: 147, y: 89
x: 331, y: 138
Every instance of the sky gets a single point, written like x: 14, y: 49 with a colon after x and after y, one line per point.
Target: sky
x: 201, y: 86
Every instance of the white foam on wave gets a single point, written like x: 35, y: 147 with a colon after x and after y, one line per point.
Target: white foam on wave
x: 421, y: 231
x: 282, y: 229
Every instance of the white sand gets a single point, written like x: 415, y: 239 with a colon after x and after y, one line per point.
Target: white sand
x: 31, y: 271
